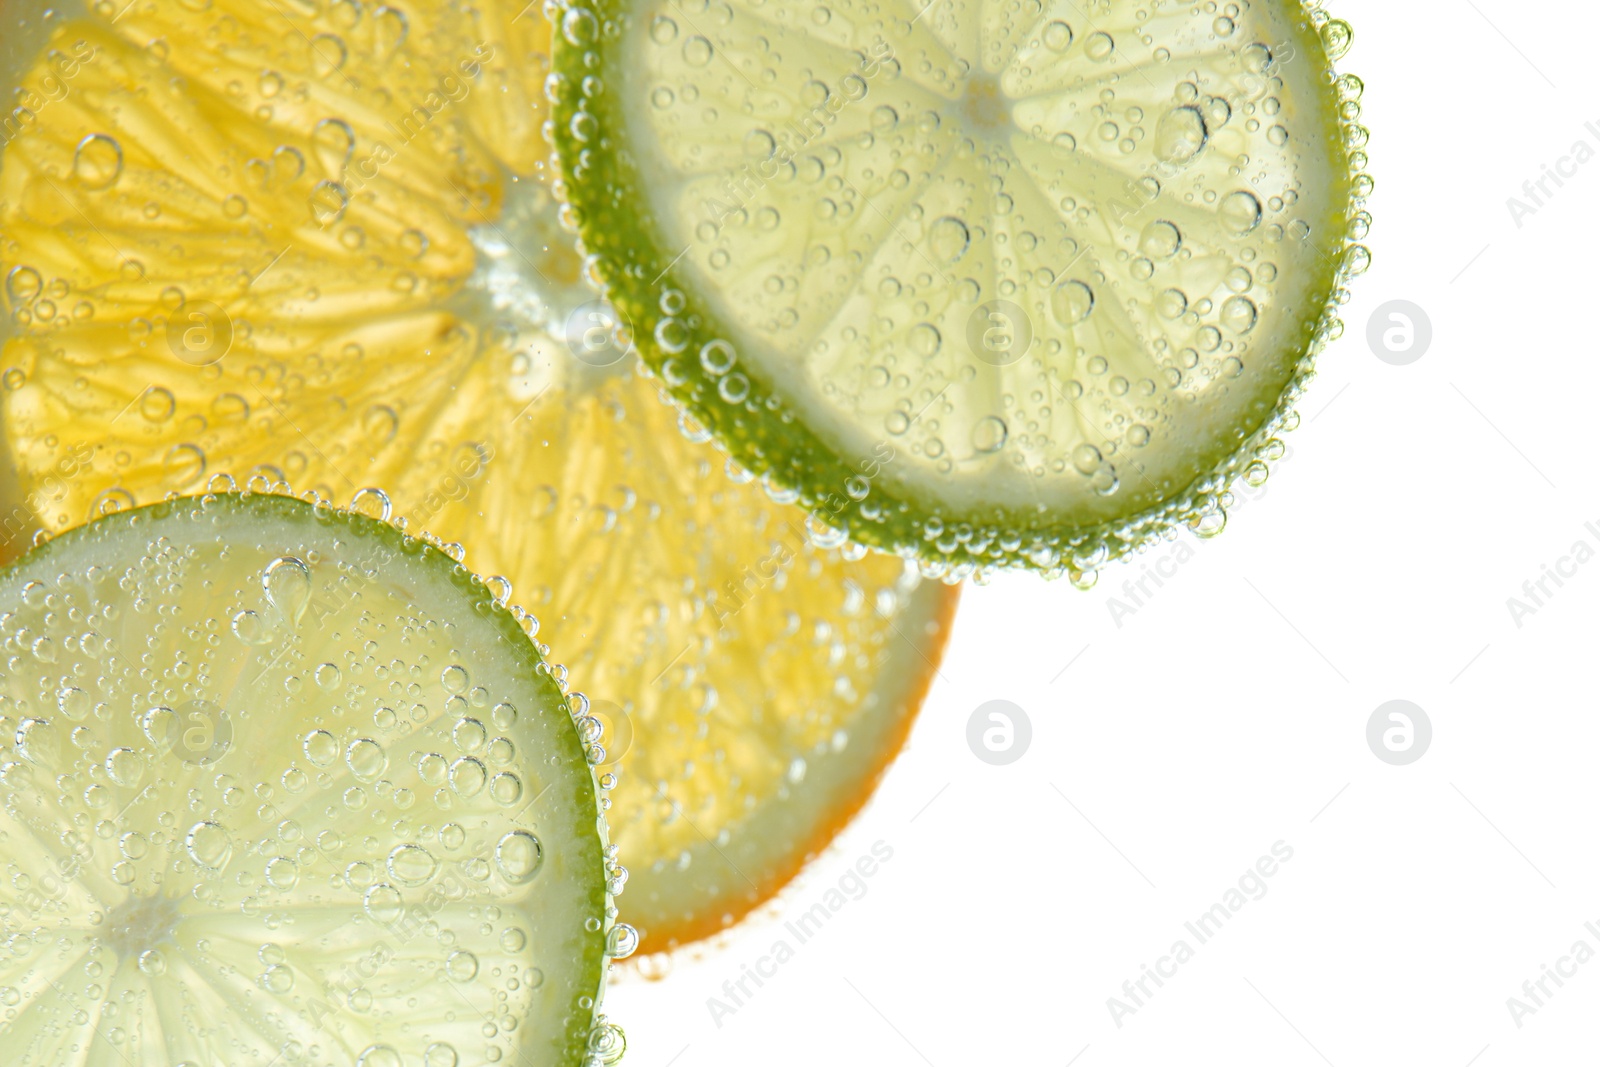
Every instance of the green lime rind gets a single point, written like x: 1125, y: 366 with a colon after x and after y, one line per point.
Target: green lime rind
x: 588, y: 1039
x: 762, y: 432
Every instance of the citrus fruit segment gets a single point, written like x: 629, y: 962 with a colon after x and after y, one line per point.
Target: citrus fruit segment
x: 282, y: 785
x: 757, y: 681
x: 1057, y: 270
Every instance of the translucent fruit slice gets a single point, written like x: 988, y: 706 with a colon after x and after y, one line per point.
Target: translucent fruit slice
x: 758, y: 681
x: 1065, y: 265
x: 280, y: 785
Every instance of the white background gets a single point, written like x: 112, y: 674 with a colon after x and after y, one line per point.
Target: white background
x: 1230, y: 711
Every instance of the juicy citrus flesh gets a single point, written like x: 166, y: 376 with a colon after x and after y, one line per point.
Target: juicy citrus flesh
x: 995, y: 284
x: 281, y: 787
x: 756, y: 683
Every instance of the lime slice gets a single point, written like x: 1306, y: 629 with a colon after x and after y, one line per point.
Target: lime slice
x: 448, y: 350
x: 282, y: 785
x: 993, y: 284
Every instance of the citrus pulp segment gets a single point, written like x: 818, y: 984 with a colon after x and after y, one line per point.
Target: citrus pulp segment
x: 766, y: 681
x: 281, y: 785
x: 990, y: 282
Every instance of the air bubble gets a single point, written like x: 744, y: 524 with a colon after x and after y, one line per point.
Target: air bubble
x: 383, y: 903
x: 124, y: 766
x: 251, y: 628
x: 432, y: 768
x: 697, y: 51
x: 1071, y: 302
x: 518, y: 855
x: 381, y: 423
x: 717, y: 357
x: 440, y: 1054
x: 328, y: 54
x: 412, y: 865
x: 1239, y: 314
x: 461, y: 966
x: 366, y: 758
x: 97, y: 162
x: 1337, y: 38
x: 1172, y: 303
x: 1160, y: 240
x: 949, y: 238
x: 622, y: 941
x: 282, y: 873
x: 467, y: 776
x: 23, y: 285
x: 455, y: 679
x: 505, y: 788
x: 209, y: 845
x: 157, y: 404
x: 1086, y: 459
x: 379, y: 1056
x: 1240, y: 211
x: 414, y: 243
x: 1180, y: 135
x: 74, y: 703
x: 372, y: 502
x: 989, y: 434
x: 328, y: 202
x: 287, y: 583
x: 390, y: 30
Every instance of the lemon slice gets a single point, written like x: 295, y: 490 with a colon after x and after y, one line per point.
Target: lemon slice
x: 283, y: 786
x: 997, y: 284
x: 436, y: 339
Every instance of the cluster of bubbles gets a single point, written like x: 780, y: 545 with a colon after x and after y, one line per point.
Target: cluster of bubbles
x: 1205, y: 343
x: 686, y: 765
x: 514, y: 298
x: 150, y: 667
x: 301, y: 183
